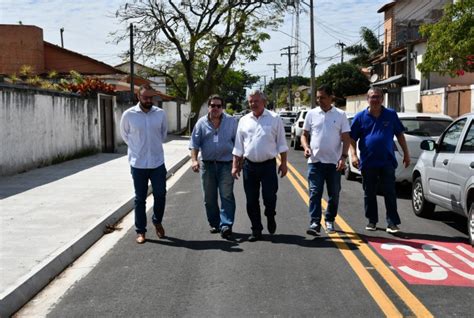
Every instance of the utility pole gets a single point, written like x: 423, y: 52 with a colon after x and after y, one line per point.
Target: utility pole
x: 290, y: 95
x: 62, y: 42
x: 274, y: 86
x: 311, y: 56
x: 341, y: 45
x: 132, y: 90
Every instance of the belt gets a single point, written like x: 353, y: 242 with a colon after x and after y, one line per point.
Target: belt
x: 216, y: 161
x: 261, y: 162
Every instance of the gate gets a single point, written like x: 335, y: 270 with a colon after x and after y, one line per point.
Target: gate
x: 106, y: 123
x: 394, y: 99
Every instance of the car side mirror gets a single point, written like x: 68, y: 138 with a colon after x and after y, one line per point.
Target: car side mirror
x: 428, y: 145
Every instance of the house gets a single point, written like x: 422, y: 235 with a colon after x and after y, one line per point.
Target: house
x: 24, y: 45
x: 403, y: 48
x: 157, y: 82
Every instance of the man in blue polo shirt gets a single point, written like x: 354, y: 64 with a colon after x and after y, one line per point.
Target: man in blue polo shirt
x: 375, y: 128
x: 214, y: 136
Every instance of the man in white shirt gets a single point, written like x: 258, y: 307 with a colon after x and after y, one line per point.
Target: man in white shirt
x: 143, y: 128
x: 326, y: 126
x: 260, y: 138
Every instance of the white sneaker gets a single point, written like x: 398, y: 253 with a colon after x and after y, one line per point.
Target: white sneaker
x: 330, y: 227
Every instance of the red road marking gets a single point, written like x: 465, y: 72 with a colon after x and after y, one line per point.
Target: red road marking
x: 428, y: 262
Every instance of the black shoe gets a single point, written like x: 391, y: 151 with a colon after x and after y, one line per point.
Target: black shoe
x: 271, y: 224
x: 392, y: 229
x: 226, y: 232
x: 255, y: 237
x: 371, y: 227
x: 314, y: 229
x: 214, y: 230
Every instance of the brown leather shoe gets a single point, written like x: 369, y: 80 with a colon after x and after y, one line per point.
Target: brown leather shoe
x: 160, y: 231
x: 140, y: 238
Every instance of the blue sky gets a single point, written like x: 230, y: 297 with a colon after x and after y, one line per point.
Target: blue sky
x: 87, y: 25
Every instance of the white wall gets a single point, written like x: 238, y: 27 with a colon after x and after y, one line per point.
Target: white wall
x: 356, y: 103
x: 37, y: 127
x: 410, y: 97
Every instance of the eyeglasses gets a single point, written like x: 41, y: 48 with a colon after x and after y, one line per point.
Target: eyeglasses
x: 215, y: 105
x: 375, y: 97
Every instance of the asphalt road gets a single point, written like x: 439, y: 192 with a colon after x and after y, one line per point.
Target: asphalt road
x: 354, y: 273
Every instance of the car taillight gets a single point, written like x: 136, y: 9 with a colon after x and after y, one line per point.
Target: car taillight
x: 300, y: 124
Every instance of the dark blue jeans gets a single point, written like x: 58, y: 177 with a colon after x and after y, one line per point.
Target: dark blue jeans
x: 254, y: 175
x: 318, y: 173
x: 157, y: 177
x: 216, y: 178
x: 370, y: 179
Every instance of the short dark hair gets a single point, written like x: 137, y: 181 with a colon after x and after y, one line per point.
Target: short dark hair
x: 145, y: 87
x: 215, y: 96
x: 326, y: 89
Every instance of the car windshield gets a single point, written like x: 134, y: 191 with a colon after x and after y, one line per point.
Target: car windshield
x: 304, y: 115
x: 424, y: 127
x: 291, y: 115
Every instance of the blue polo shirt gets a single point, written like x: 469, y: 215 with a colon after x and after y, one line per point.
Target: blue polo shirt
x: 375, y: 136
x: 214, y: 144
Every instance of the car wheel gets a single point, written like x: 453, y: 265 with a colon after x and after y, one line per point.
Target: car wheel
x: 470, y: 224
x: 420, y: 206
x: 292, y: 141
x: 348, y: 174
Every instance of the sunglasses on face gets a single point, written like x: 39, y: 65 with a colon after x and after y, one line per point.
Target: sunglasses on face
x: 212, y: 105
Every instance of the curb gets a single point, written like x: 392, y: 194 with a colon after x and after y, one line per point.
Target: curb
x: 41, y: 275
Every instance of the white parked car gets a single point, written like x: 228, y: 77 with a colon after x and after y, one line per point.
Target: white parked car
x: 418, y: 127
x: 444, y: 173
x: 288, y: 118
x: 297, y: 129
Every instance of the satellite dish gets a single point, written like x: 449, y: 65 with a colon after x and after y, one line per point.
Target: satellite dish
x: 374, y: 78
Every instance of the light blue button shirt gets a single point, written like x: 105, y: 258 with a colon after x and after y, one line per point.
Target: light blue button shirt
x: 214, y: 144
x: 144, y: 134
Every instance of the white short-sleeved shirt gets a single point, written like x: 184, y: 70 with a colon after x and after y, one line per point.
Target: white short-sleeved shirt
x: 144, y: 133
x: 260, y: 139
x: 325, y: 130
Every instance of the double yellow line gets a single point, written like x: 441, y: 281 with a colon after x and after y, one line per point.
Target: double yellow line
x: 377, y: 293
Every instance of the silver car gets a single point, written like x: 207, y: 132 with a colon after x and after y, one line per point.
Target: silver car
x: 444, y: 173
x: 418, y: 127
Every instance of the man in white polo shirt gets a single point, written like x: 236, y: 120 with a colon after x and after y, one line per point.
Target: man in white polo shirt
x: 260, y: 138
x: 328, y: 130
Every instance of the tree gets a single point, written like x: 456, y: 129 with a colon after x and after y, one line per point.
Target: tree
x: 346, y: 79
x: 281, y: 85
x: 450, y: 47
x: 232, y: 87
x: 215, y: 33
x: 364, y: 52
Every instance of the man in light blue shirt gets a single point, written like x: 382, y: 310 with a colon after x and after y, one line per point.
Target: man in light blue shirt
x: 143, y: 128
x: 214, y: 136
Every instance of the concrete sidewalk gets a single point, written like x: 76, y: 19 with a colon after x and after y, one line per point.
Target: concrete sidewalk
x: 50, y: 216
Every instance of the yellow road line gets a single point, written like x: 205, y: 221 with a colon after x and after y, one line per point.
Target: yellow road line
x: 382, y: 300
x: 415, y: 305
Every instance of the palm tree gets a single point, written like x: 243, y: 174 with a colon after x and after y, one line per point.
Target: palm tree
x: 364, y: 52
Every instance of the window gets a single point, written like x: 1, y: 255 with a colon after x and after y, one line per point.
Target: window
x: 451, y: 136
x: 468, y: 143
x: 425, y: 127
